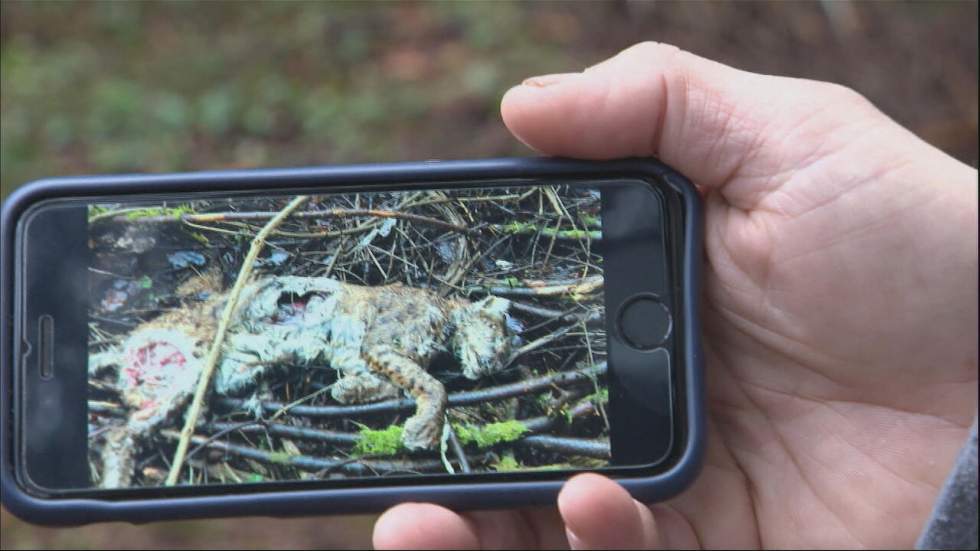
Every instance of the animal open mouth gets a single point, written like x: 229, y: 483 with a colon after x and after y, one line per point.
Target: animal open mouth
x: 291, y: 308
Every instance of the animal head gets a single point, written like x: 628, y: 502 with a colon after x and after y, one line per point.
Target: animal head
x: 484, y: 335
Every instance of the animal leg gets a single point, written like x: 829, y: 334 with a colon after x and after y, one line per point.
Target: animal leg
x: 423, y: 430
x: 118, y: 458
x: 353, y: 388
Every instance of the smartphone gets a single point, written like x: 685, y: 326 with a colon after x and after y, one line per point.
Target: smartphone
x: 340, y: 339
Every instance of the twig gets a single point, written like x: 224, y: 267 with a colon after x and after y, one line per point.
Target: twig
x: 534, y: 425
x: 471, y: 397
x: 289, y: 431
x: 106, y: 408
x: 212, y: 358
x: 546, y: 422
x: 328, y: 213
x: 550, y: 337
x: 538, y: 311
x: 597, y: 448
x: 578, y: 287
x: 223, y: 431
x: 359, y: 467
x: 520, y: 228
x: 464, y: 465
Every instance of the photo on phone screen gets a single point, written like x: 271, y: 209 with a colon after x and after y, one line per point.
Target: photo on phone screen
x: 381, y: 334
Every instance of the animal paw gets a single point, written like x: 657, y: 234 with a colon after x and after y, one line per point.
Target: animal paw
x: 360, y: 388
x: 422, y: 434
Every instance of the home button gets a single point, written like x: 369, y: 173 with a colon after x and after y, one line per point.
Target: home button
x: 644, y: 322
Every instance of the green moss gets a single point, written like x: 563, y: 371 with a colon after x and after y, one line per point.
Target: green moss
x: 519, y: 227
x: 506, y: 464
x: 96, y: 211
x: 552, y: 467
x: 590, y: 221
x: 199, y: 237
x: 150, y: 212
x: 379, y: 442
x: 491, y: 433
x: 599, y: 397
x: 281, y: 458
x: 523, y: 228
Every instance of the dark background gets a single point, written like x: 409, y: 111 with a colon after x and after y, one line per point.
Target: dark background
x: 124, y: 86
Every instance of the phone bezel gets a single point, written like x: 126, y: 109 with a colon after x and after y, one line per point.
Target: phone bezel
x: 184, y: 502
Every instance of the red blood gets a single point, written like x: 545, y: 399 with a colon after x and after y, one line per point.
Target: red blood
x: 150, y: 363
x: 289, y: 311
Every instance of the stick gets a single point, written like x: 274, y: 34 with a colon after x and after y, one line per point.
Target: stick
x: 550, y: 337
x: 464, y: 465
x: 217, y: 430
x: 289, y: 431
x: 471, y: 397
x: 538, y: 311
x: 583, y: 286
x: 329, y: 213
x: 359, y: 467
x: 211, y: 361
x: 597, y: 448
x: 106, y: 408
x: 520, y: 228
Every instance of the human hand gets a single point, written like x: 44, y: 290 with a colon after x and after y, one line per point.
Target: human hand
x: 840, y: 311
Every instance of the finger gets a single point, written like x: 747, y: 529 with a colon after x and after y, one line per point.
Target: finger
x: 600, y: 514
x: 519, y: 528
x: 701, y: 117
x: 423, y: 526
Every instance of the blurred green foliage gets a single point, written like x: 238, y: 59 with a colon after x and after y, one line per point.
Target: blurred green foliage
x: 133, y: 86
x: 166, y: 86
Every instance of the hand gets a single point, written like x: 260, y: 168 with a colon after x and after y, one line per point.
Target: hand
x: 840, y: 313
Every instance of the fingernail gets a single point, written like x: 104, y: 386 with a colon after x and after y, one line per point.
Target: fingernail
x: 573, y: 541
x: 547, y: 80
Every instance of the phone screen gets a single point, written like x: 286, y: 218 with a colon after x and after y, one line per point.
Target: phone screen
x: 360, y: 335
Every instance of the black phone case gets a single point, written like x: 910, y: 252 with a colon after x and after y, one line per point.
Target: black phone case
x: 459, y: 496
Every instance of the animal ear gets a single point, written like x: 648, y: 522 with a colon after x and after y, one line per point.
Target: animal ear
x: 493, y: 305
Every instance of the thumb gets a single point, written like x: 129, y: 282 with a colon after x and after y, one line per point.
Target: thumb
x: 600, y: 514
x: 703, y: 118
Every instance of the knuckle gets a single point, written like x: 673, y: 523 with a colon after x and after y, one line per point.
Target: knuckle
x: 839, y: 94
x: 652, y: 50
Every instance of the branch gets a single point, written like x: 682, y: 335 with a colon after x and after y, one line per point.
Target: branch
x: 523, y: 228
x: 550, y: 337
x: 288, y: 431
x: 328, y: 213
x: 597, y: 448
x: 520, y: 388
x: 582, y: 286
x: 533, y: 424
x: 106, y: 408
x: 355, y: 466
x: 464, y: 465
x: 211, y: 361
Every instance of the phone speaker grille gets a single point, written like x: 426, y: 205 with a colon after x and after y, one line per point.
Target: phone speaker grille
x: 45, y: 340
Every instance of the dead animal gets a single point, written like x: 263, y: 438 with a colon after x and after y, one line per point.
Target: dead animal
x: 380, y: 339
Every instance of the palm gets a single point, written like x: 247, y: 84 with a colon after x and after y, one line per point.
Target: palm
x: 819, y: 408
x: 840, y: 300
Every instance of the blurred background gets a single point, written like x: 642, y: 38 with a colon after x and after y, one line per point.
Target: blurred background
x: 101, y: 87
